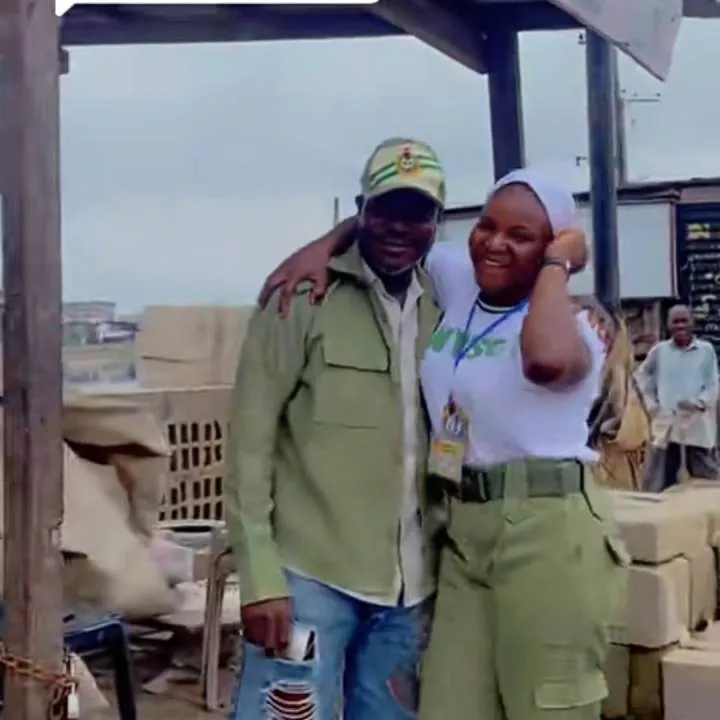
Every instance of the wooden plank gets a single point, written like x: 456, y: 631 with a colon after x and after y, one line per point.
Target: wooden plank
x: 441, y: 28
x: 29, y: 182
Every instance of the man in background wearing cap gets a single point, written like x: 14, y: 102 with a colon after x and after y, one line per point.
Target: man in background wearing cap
x: 326, y: 503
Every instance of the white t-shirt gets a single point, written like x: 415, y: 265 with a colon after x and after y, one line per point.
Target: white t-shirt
x: 510, y: 417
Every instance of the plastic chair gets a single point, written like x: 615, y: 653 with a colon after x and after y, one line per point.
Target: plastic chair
x: 86, y: 631
x: 91, y: 632
x: 222, y: 565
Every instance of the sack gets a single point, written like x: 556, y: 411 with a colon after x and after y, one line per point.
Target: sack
x: 90, y: 699
x: 112, y: 567
x: 114, y: 431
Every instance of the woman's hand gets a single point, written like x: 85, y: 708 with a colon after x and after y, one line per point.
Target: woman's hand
x: 554, y: 353
x: 309, y: 263
x: 571, y: 247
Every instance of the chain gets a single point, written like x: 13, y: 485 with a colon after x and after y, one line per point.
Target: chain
x: 61, y: 684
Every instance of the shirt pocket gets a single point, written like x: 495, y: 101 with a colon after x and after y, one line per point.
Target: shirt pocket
x: 354, y: 386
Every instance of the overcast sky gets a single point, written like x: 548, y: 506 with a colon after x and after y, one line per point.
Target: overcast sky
x: 188, y: 172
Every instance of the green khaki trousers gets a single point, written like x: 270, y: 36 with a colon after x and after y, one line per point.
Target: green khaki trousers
x: 529, y: 586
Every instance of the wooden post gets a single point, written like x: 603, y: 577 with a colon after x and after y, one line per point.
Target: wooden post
x: 30, y: 187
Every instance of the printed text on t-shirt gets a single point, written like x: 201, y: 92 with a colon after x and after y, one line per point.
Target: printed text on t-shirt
x: 456, y: 339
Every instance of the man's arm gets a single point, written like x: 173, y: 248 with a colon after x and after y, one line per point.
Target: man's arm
x: 271, y: 362
x: 709, y: 395
x: 646, y: 376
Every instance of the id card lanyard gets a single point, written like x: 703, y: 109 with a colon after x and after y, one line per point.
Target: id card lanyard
x: 472, y: 343
x: 451, y: 410
x: 448, y: 448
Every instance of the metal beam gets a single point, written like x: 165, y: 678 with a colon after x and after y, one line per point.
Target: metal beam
x: 523, y: 17
x: 438, y: 26
x: 701, y: 8
x: 603, y: 188
x: 506, y: 113
x: 135, y: 25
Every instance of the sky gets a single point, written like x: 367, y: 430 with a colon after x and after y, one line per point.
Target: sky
x: 189, y: 172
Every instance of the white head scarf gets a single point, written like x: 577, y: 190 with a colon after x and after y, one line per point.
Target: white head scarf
x: 558, y: 202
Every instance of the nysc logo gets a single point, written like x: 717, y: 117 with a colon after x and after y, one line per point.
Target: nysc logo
x: 456, y: 340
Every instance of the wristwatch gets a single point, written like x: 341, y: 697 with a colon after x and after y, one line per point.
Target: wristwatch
x: 564, y: 264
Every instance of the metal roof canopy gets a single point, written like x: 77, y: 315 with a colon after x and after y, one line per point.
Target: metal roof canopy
x: 159, y: 24
x: 481, y: 34
x: 456, y: 27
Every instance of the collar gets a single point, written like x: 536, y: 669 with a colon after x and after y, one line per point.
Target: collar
x: 493, y: 309
x: 414, y: 291
x: 693, y: 345
x: 351, y: 265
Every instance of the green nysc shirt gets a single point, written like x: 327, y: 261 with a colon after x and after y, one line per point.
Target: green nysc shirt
x: 315, y: 452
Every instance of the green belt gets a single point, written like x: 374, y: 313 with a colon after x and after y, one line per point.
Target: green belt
x: 539, y: 478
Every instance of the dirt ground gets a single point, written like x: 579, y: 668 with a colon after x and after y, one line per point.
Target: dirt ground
x: 181, y: 702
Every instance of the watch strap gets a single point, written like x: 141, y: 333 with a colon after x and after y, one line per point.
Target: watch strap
x: 564, y: 264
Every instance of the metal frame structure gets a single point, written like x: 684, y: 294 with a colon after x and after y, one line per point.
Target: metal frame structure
x: 480, y: 34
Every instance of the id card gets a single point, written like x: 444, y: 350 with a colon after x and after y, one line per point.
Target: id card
x: 446, y: 459
x: 448, y: 447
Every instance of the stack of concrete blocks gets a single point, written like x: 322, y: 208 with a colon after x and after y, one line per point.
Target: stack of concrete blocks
x: 673, y: 539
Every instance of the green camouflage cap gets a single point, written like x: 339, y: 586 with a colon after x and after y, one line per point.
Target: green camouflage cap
x: 403, y: 164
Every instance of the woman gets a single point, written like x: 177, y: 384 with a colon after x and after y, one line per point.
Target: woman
x: 531, y: 571
x: 619, y: 422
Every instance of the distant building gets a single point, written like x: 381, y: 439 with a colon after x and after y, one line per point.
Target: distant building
x: 91, y: 311
x: 116, y: 331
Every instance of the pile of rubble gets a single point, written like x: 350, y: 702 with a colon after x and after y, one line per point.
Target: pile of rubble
x: 664, y: 662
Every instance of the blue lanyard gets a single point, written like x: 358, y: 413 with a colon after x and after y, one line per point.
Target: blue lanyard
x: 463, y: 352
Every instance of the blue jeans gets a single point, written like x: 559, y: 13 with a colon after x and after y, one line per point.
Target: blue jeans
x: 365, y: 660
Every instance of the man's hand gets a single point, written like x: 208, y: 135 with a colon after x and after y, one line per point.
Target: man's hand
x: 309, y: 263
x: 268, y: 624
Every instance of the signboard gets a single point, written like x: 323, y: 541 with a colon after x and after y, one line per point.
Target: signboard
x: 698, y: 266
x: 646, y: 30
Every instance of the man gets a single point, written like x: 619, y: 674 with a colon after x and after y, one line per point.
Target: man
x: 326, y: 504
x: 680, y: 381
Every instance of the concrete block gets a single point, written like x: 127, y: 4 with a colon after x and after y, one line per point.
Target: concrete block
x: 664, y: 601
x: 691, y: 684
x: 703, y: 588
x: 657, y: 606
x: 617, y: 675
x: 645, y: 701
x: 706, y: 493
x: 659, y: 527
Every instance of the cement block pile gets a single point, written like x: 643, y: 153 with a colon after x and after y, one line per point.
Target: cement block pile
x: 664, y: 662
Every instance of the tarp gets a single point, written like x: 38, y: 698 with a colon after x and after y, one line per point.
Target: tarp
x: 115, y: 466
x: 646, y: 30
x: 190, y: 346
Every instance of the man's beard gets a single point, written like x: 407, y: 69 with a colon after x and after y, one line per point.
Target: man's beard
x: 365, y: 238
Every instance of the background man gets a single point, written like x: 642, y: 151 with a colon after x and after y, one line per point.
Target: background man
x: 679, y: 379
x: 326, y: 501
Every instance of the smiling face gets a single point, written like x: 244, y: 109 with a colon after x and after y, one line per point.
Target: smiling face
x: 680, y: 324
x: 397, y: 230
x: 507, y: 246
